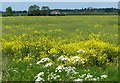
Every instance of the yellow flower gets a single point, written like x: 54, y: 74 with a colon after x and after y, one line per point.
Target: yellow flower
x: 53, y: 51
x: 27, y: 58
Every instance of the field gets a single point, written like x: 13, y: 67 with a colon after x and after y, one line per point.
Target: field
x: 60, y: 48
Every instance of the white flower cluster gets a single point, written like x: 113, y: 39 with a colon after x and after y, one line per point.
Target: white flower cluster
x: 89, y: 77
x: 70, y: 70
x: 63, y: 58
x: 74, y: 59
x: 59, y: 68
x: 53, y: 76
x: 48, y: 65
x: 39, y: 78
x: 43, y: 60
x: 104, y: 76
x: 80, y: 80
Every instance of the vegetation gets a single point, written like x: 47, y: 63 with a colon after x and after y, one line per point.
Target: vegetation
x: 65, y: 48
x: 8, y: 12
x: 34, y: 10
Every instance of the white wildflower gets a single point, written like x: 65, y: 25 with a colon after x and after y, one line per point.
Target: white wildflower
x: 39, y: 79
x: 76, y: 58
x: 104, y: 76
x: 94, y: 79
x: 63, y: 58
x: 53, y: 76
x: 70, y: 70
x: 89, y: 76
x: 81, y: 51
x: 59, y: 69
x: 40, y: 74
x: 83, y: 75
x: 48, y: 64
x: 30, y: 64
x: 15, y: 70
x: 43, y: 60
x: 78, y: 80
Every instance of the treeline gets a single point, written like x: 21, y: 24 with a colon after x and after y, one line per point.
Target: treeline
x: 35, y: 10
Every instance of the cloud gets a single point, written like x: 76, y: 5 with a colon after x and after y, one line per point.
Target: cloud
x: 59, y: 0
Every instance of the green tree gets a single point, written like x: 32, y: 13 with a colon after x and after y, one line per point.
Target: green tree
x: 33, y: 10
x: 9, y: 11
x: 45, y: 10
x: 119, y: 11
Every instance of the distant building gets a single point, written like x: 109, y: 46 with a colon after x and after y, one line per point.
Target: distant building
x: 55, y: 12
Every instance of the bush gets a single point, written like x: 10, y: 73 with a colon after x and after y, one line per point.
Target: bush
x: 7, y: 14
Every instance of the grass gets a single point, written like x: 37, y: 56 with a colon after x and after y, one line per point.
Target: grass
x: 27, y: 40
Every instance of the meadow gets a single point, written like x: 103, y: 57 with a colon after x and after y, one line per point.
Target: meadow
x: 60, y: 48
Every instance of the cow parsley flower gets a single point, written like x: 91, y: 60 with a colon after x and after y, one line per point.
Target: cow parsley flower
x: 63, y: 58
x: 83, y: 75
x: 48, y: 64
x: 76, y: 58
x: 53, y: 76
x: 43, y: 60
x: 59, y: 69
x: 40, y: 74
x: 94, y: 79
x: 70, y: 70
x: 78, y: 80
x: 39, y: 79
x: 104, y: 76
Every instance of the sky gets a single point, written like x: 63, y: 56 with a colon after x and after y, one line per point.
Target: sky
x: 59, y: 0
x: 59, y: 5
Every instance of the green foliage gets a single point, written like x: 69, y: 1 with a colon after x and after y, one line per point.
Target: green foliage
x: 45, y: 10
x: 33, y: 10
x: 9, y: 11
x: 119, y: 11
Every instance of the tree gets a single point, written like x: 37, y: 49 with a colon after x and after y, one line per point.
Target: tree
x: 45, y: 10
x: 33, y: 10
x: 119, y: 11
x: 9, y: 11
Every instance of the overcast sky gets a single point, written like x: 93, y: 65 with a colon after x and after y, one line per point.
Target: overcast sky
x: 60, y: 0
x: 59, y: 4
